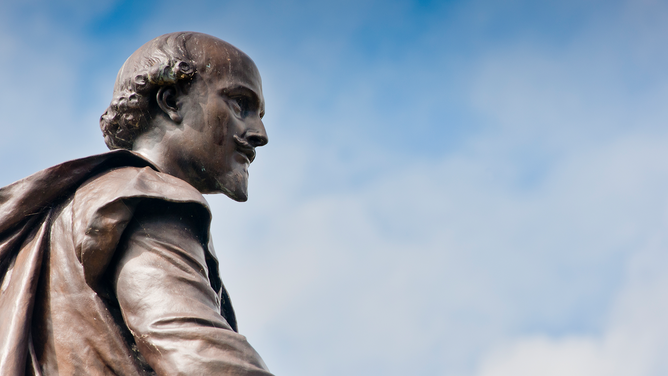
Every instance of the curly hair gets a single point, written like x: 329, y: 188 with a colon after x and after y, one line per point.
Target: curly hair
x: 163, y: 61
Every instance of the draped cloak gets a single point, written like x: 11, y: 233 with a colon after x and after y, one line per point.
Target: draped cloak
x: 121, y: 180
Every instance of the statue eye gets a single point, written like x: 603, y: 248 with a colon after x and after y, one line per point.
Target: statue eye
x: 235, y: 107
x: 241, y: 106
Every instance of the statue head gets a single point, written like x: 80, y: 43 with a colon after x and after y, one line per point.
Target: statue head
x: 192, y: 104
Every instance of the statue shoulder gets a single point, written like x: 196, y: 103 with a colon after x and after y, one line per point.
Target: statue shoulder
x: 136, y: 182
x: 103, y: 206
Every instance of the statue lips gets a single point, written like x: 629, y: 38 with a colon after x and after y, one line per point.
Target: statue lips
x: 245, y: 148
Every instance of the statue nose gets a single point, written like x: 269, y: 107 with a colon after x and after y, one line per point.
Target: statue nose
x: 256, y: 139
x: 257, y: 135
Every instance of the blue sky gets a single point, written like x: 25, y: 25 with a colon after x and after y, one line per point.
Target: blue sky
x: 450, y: 188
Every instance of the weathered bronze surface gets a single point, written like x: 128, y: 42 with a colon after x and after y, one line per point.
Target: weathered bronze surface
x: 106, y: 262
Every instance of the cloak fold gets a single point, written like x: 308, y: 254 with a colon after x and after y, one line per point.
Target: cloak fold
x: 25, y: 211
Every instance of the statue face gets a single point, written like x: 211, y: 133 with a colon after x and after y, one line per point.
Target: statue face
x: 222, y: 122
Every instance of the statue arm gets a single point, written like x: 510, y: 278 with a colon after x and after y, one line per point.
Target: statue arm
x: 162, y: 285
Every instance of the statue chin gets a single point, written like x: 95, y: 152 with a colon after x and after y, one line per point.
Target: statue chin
x: 234, y: 186
x: 237, y: 196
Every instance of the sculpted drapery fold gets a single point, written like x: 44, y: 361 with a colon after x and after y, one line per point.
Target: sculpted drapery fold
x: 87, y: 317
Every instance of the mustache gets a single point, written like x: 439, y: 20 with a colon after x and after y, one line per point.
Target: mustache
x: 245, y: 147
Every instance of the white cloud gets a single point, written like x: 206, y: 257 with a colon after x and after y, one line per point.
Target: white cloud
x: 634, y: 342
x: 447, y: 257
x: 533, y: 246
x: 545, y: 357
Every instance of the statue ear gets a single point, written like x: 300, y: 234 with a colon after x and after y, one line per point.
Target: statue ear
x: 166, y: 98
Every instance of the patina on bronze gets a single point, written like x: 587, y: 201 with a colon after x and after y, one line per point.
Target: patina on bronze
x: 106, y: 262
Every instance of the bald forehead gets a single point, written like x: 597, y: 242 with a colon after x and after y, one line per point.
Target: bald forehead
x: 217, y: 59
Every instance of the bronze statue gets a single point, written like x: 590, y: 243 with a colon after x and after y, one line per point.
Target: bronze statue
x: 106, y: 262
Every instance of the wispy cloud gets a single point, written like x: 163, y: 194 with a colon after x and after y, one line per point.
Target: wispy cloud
x: 456, y: 188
